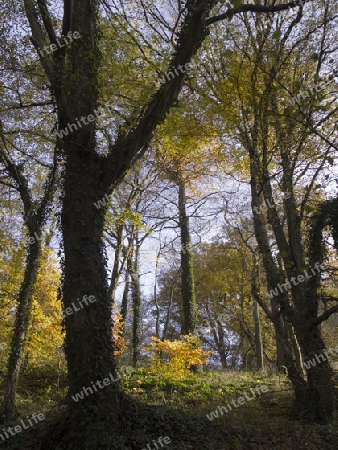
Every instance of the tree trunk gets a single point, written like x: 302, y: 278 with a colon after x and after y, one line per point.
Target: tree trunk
x: 296, y: 351
x: 221, y: 347
x: 8, y: 407
x: 73, y: 72
x: 166, y: 323
x: 280, y: 302
x: 137, y: 306
x: 258, y: 334
x: 34, y: 222
x: 258, y: 338
x: 124, y: 304
x: 116, y: 267
x: 85, y: 275
x: 158, y: 311
x: 187, y: 271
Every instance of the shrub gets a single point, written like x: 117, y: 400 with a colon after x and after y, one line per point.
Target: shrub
x: 171, y: 361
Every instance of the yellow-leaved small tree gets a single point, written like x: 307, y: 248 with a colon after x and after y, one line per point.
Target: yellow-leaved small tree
x: 172, y: 360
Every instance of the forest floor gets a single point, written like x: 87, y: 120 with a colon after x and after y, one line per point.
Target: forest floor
x: 178, y: 410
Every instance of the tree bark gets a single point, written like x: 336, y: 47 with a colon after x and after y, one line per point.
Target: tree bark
x: 255, y: 312
x: 221, y: 347
x: 116, y: 267
x: 8, y: 407
x: 137, y: 305
x: 296, y: 351
x: 73, y: 72
x: 35, y: 217
x: 189, y: 323
x: 124, y: 304
x: 88, y: 343
x: 258, y: 338
x: 167, y: 319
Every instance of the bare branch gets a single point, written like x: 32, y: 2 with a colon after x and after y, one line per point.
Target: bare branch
x: 47, y: 21
x: 326, y: 314
x: 254, y: 8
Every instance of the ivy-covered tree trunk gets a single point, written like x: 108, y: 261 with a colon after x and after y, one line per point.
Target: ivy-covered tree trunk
x: 73, y: 72
x: 88, y: 342
x: 284, y: 349
x: 85, y: 275
x: 35, y: 217
x: 187, y: 269
x: 8, y: 407
x: 312, y: 401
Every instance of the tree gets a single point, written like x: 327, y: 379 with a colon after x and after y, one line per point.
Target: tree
x: 90, y: 175
x: 73, y: 74
x: 281, y: 142
x: 36, y: 214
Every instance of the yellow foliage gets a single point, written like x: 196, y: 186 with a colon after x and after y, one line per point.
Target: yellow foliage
x: 172, y: 360
x: 45, y: 338
x: 119, y: 343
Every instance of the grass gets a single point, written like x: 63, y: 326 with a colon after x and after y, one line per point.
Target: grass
x: 178, y: 409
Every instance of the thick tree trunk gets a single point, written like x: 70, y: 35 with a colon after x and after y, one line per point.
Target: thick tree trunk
x: 85, y: 274
x: 187, y: 271
x: 8, y: 407
x: 281, y: 338
x: 316, y: 404
x: 73, y: 73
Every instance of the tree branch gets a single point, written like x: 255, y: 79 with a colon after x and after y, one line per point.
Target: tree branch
x: 132, y: 144
x: 47, y: 20
x: 30, y: 105
x: 326, y: 314
x: 38, y: 36
x: 254, y: 8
